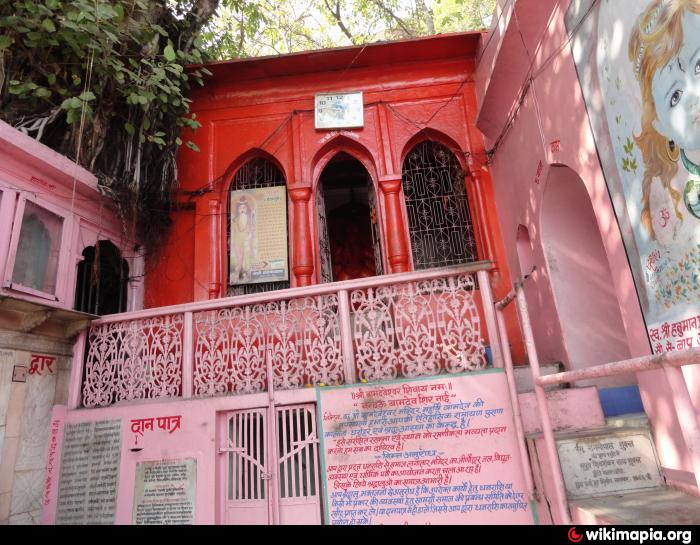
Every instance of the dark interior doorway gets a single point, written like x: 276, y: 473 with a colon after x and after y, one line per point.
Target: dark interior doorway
x: 348, y: 226
x: 103, y: 279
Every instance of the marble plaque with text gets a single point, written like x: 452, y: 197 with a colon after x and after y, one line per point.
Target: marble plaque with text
x: 596, y: 466
x: 87, y: 491
x: 164, y: 492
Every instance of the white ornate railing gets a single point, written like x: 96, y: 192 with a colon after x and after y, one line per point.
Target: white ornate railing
x: 404, y: 325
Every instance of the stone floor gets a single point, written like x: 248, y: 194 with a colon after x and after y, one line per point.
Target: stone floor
x: 657, y: 507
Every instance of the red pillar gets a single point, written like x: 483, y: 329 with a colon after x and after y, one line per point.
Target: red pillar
x: 397, y: 250
x: 214, y: 250
x: 302, y: 256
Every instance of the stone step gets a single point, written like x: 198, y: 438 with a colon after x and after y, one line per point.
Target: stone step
x: 523, y: 376
x: 569, y: 409
x: 653, y: 508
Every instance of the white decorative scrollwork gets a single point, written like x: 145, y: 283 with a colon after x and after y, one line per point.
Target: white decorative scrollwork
x: 302, y: 337
x: 136, y: 359
x: 417, y: 329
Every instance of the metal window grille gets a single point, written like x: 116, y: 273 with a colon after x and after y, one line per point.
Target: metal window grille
x: 255, y: 173
x: 440, y: 225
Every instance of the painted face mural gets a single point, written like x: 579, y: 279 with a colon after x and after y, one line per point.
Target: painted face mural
x: 638, y: 63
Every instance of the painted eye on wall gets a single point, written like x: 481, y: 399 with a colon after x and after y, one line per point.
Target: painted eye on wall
x: 697, y: 67
x: 676, y: 97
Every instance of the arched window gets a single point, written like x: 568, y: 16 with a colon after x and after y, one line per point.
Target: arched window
x: 103, y: 279
x: 440, y: 226
x: 255, y: 220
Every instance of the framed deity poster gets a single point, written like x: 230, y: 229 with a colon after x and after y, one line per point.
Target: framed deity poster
x: 258, y: 236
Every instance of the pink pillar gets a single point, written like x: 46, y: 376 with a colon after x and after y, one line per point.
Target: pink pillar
x: 490, y: 317
x: 547, y: 430
x: 346, y: 337
x: 188, y: 356
x: 302, y: 256
x: 76, y: 371
x: 513, y: 391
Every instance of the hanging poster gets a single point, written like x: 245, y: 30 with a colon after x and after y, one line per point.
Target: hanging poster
x: 638, y: 62
x: 258, y: 236
x: 436, y: 450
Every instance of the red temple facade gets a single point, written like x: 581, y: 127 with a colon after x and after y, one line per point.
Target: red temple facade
x: 263, y: 109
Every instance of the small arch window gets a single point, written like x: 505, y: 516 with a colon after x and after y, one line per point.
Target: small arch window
x: 439, y: 222
x: 103, y: 280
x: 37, y: 251
x: 257, y: 233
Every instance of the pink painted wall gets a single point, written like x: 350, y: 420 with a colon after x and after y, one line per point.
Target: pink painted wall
x: 551, y: 127
x: 197, y: 438
x: 31, y: 170
x: 588, y: 309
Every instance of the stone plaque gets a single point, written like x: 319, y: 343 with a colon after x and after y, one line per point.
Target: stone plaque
x: 164, y: 492
x: 87, y: 490
x: 598, y: 466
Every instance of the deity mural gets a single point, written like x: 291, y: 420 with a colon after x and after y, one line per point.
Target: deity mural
x: 639, y: 67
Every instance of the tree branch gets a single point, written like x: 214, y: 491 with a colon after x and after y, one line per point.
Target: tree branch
x: 339, y: 20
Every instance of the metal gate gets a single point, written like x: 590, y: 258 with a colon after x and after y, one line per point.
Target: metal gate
x: 277, y: 485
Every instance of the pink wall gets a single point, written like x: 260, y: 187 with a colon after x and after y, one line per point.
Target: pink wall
x: 551, y: 127
x: 588, y: 309
x: 31, y: 170
x: 197, y: 438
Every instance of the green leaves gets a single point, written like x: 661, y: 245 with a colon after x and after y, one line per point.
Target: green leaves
x: 5, y: 42
x: 169, y: 53
x: 48, y: 25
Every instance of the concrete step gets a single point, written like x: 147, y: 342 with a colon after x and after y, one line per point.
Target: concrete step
x: 523, y: 376
x: 653, y: 508
x: 569, y: 409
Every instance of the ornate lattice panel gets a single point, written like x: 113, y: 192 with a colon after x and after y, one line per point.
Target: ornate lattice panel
x: 440, y: 225
x: 137, y: 359
x: 417, y: 329
x: 301, y: 335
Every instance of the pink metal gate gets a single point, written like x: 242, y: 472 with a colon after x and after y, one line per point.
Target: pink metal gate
x: 299, y: 495
x: 278, y: 485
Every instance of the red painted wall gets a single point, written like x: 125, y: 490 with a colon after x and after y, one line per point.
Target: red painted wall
x: 413, y: 90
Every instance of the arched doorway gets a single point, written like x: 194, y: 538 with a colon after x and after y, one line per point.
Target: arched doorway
x: 103, y: 280
x: 439, y: 221
x: 349, y: 244
x: 584, y: 292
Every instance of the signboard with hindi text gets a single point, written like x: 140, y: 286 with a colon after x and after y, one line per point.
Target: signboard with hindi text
x: 164, y: 492
x: 258, y: 236
x: 435, y: 450
x: 89, y: 473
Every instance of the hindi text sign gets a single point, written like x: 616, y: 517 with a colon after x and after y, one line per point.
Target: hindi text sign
x: 438, y: 450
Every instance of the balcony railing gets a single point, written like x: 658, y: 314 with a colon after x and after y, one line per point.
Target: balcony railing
x: 404, y: 325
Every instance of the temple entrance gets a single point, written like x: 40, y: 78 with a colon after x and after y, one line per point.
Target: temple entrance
x: 272, y: 466
x: 349, y: 244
